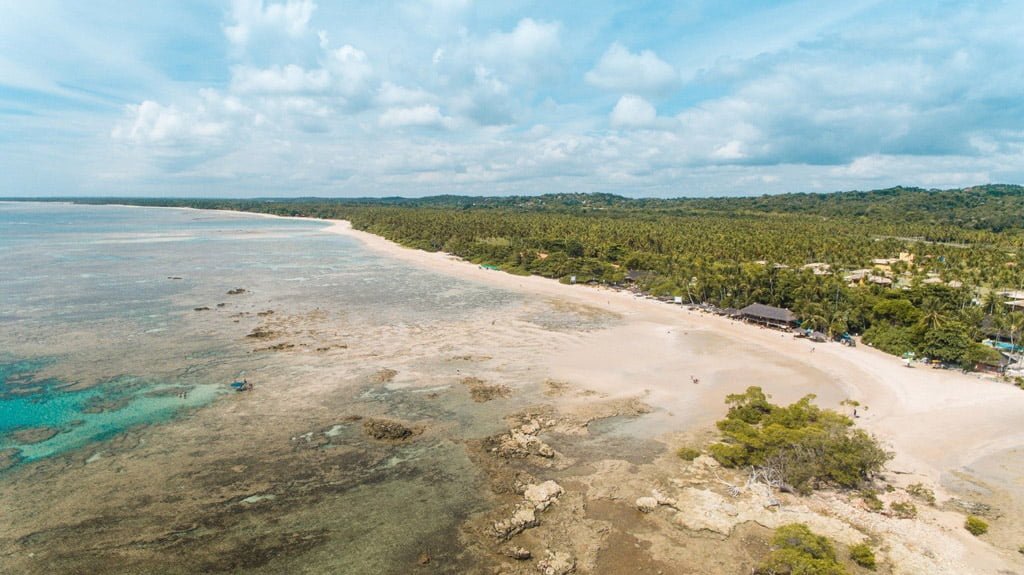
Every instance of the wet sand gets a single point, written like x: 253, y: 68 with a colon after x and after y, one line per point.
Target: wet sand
x: 286, y: 479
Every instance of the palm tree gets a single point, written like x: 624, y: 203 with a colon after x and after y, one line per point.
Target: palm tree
x: 933, y: 316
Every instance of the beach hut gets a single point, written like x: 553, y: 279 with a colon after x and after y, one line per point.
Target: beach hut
x: 995, y: 366
x: 768, y: 315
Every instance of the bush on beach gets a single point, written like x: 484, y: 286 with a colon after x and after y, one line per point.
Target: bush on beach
x: 808, y: 447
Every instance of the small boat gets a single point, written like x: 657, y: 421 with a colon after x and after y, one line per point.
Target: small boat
x: 241, y: 385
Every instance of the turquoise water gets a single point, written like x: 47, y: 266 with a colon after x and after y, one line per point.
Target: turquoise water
x: 79, y: 415
x: 98, y: 328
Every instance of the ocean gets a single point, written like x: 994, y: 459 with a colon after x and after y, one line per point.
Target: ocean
x: 99, y: 327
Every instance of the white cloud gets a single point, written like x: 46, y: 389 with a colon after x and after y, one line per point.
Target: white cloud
x: 351, y: 69
x: 346, y: 78
x: 528, y: 53
x: 394, y: 95
x: 418, y: 116
x: 488, y: 101
x: 213, y: 119
x: 150, y: 122
x: 450, y: 90
x: 289, y: 79
x: 731, y: 150
x: 623, y: 71
x: 251, y: 16
x: 633, y: 112
x: 528, y: 41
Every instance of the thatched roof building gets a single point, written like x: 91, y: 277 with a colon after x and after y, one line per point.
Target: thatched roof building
x: 768, y: 315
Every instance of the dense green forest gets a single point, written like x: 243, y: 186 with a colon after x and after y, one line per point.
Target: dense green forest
x: 959, y: 248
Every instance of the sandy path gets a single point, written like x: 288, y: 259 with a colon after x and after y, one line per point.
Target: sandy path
x: 936, y: 420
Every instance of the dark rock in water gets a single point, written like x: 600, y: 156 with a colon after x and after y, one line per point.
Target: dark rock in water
x: 203, y: 308
x: 221, y: 304
x: 173, y: 277
x: 9, y: 458
x: 29, y: 435
x: 262, y: 333
x: 278, y: 347
x: 482, y: 392
x: 100, y: 405
x: 388, y: 430
x: 236, y: 291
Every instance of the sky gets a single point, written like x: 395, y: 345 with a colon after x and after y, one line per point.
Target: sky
x: 250, y: 98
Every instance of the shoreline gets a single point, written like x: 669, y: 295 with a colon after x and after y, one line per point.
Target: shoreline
x: 896, y: 398
x: 886, y: 398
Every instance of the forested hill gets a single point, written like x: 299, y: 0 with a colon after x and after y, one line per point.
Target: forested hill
x: 994, y: 207
x: 990, y: 207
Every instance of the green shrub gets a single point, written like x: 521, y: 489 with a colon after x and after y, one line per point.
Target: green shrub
x: 687, y: 453
x: 890, y: 339
x: 862, y: 555
x: 807, y: 445
x: 797, y: 550
x: 919, y: 491
x: 870, y: 497
x: 903, y: 510
x: 976, y: 525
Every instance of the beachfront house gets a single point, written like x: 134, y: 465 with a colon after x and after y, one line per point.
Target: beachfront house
x: 768, y: 315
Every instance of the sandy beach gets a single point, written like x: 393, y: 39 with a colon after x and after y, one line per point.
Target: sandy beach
x: 937, y: 422
x: 936, y: 419
x: 408, y: 444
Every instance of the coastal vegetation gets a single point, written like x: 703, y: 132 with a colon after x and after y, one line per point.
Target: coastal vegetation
x: 800, y: 446
x: 687, y: 453
x: 976, y: 525
x: 912, y: 270
x: 863, y: 555
x: 796, y: 550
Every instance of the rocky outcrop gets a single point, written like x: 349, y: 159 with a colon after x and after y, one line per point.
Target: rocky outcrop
x: 646, y: 504
x: 262, y: 333
x: 557, y: 563
x: 536, y: 498
x: 523, y: 519
x: 480, y: 391
x: 651, y: 502
x: 543, y: 495
x: 518, y: 553
x: 520, y: 442
x: 388, y: 430
x: 29, y: 435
